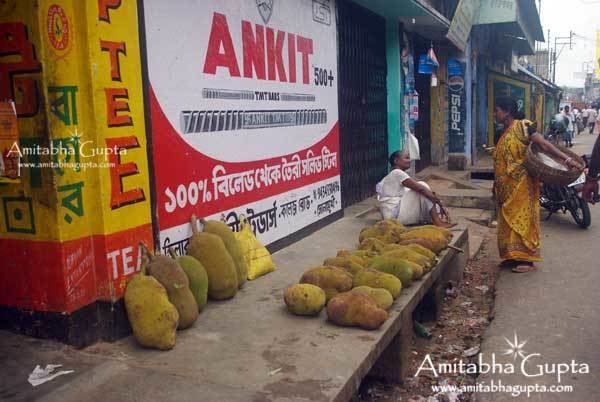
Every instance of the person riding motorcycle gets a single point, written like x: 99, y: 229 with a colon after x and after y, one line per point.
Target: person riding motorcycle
x: 590, y: 188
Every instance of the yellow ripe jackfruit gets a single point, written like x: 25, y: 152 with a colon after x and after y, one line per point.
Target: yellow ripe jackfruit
x: 210, y: 250
x: 423, y: 251
x: 444, y: 231
x: 197, y: 276
x: 349, y: 263
x: 438, y: 240
x: 152, y: 317
x: 377, y: 279
x: 395, y: 266
x: 232, y: 245
x: 372, y: 244
x: 355, y: 309
x: 382, y: 297
x: 169, y: 274
x: 304, y: 299
x: 387, y: 231
x: 332, y: 280
x: 421, y: 242
x: 364, y: 255
x: 408, y: 254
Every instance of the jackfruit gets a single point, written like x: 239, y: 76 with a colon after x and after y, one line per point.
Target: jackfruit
x: 210, y: 250
x: 197, y: 276
x: 395, y: 266
x: 382, y: 297
x: 377, y: 279
x: 364, y: 255
x: 232, y: 245
x: 387, y: 231
x: 423, y: 251
x: 349, y: 263
x: 447, y: 233
x: 152, y: 317
x: 408, y: 254
x: 422, y: 242
x: 372, y: 244
x: 169, y: 274
x: 304, y: 299
x: 355, y: 309
x: 437, y: 238
x: 332, y: 280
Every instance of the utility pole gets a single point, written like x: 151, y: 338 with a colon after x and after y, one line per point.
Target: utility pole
x: 560, y: 40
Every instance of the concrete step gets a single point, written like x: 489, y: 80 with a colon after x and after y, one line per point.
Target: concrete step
x: 467, y: 198
x: 480, y: 216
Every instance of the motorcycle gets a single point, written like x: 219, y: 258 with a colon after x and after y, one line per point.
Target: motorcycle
x: 567, y: 198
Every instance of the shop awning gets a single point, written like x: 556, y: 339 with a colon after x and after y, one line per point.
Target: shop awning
x: 518, y: 21
x: 416, y: 16
x: 547, y: 84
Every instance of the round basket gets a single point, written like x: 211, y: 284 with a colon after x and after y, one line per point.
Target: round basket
x: 547, y: 174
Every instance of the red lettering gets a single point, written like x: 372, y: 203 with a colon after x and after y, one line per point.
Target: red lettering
x: 292, y: 56
x: 114, y: 49
x: 104, y: 6
x: 220, y: 36
x: 254, y: 50
x: 118, y: 170
x: 113, y: 106
x: 305, y: 46
x: 23, y: 90
x: 274, y: 57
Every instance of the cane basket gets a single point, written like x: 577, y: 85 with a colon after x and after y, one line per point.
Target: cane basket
x: 548, y: 174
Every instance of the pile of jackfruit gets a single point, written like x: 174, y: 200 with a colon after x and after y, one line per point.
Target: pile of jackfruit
x: 170, y: 292
x: 357, y: 287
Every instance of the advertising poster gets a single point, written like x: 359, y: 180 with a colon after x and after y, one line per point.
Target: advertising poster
x: 457, y: 99
x: 244, y: 112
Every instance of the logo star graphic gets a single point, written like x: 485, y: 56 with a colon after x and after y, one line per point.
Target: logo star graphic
x: 515, y: 348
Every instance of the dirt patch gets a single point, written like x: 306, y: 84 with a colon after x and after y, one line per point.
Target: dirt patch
x: 466, y: 313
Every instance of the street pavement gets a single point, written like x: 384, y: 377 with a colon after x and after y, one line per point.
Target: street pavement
x: 555, y: 310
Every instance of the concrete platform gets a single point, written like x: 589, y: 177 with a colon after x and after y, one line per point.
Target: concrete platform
x: 251, y: 349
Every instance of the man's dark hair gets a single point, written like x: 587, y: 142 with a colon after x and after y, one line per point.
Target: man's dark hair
x: 567, y: 108
x: 508, y: 104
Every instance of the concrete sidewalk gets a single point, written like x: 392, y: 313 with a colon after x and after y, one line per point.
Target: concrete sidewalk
x: 554, y: 309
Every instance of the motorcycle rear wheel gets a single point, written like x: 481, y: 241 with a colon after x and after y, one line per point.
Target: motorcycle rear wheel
x: 581, y: 213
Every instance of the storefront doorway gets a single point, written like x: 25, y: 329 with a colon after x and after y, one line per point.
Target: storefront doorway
x: 362, y: 101
x: 423, y: 87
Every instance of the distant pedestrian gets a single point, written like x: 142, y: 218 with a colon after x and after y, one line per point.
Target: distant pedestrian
x: 593, y: 115
x: 596, y: 123
x: 570, y: 128
x: 585, y: 114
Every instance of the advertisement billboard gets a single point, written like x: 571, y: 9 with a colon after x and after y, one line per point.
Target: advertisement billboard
x: 244, y: 114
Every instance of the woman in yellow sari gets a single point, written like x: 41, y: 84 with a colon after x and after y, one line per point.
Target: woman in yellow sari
x: 517, y: 193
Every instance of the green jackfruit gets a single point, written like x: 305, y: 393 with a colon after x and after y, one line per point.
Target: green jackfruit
x: 332, y: 280
x: 197, y: 276
x: 355, y: 309
x: 169, y: 274
x: 348, y: 263
x: 382, y: 297
x: 152, y: 317
x: 395, y: 266
x: 377, y: 279
x: 304, y: 299
x: 210, y: 250
x: 232, y: 245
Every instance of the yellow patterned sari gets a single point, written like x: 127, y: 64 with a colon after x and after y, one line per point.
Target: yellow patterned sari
x: 517, y: 194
